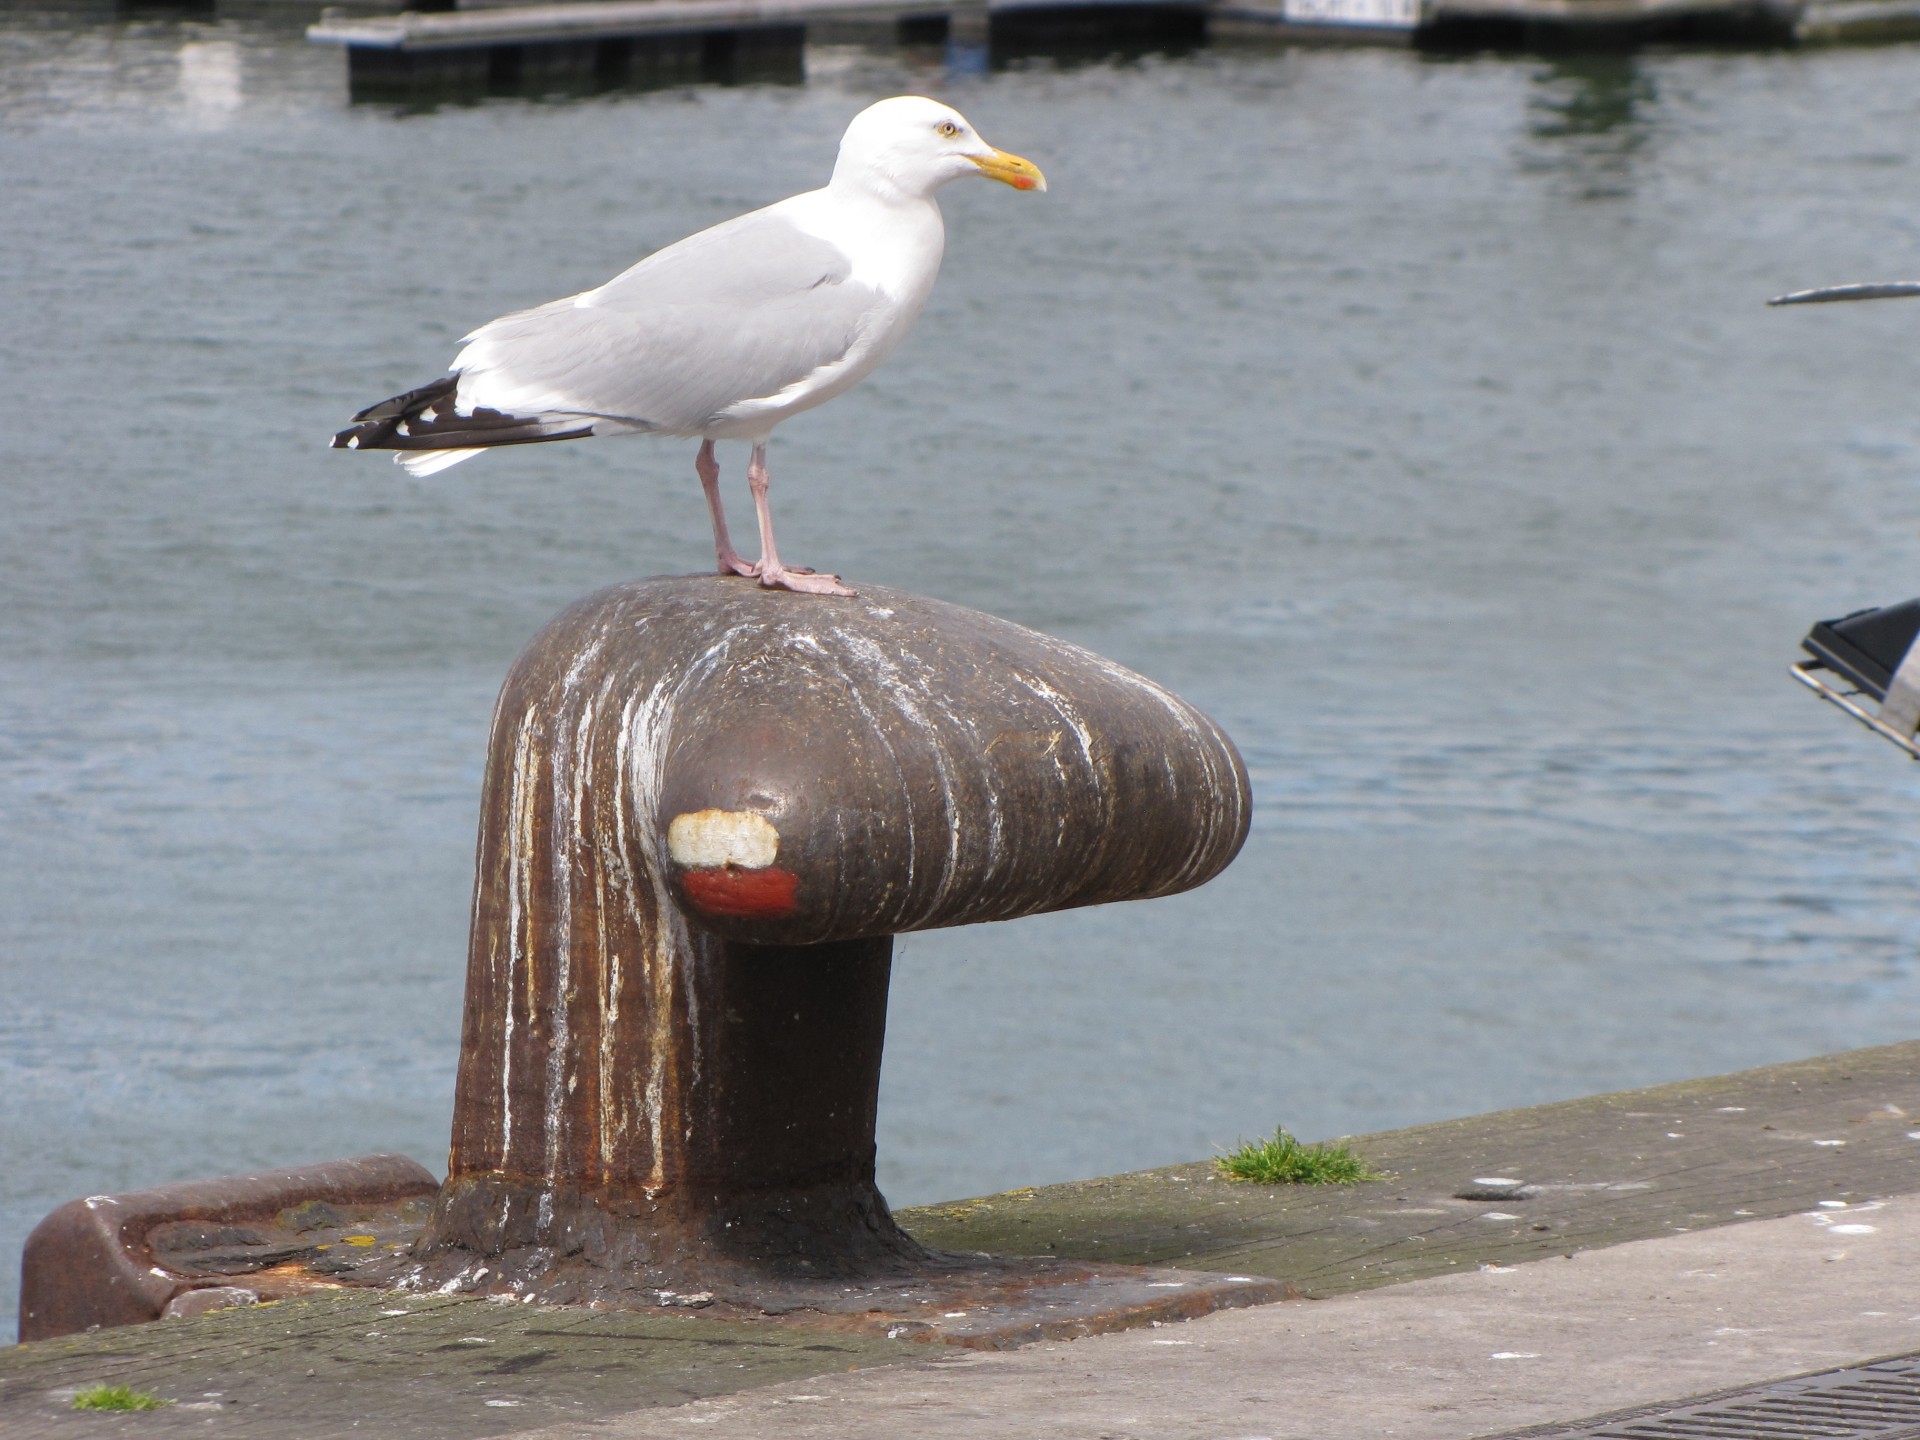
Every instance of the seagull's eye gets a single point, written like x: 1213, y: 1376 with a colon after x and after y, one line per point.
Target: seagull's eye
x: 948, y: 129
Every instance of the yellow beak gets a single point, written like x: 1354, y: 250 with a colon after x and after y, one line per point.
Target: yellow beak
x: 1010, y: 170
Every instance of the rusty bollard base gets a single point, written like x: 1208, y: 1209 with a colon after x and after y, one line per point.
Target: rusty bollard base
x: 242, y: 1240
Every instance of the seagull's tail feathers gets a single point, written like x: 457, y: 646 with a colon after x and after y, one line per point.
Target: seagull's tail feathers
x: 431, y: 433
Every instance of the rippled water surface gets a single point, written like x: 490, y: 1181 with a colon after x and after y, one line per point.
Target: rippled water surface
x: 1417, y: 417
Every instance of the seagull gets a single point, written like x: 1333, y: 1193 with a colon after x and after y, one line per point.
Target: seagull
x: 1883, y: 290
x: 722, y: 335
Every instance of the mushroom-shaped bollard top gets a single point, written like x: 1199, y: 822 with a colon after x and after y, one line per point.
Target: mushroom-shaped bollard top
x: 708, y: 807
x: 891, y: 763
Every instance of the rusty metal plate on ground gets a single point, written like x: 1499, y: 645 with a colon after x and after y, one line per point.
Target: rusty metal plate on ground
x: 1875, y: 1401
x: 125, y: 1259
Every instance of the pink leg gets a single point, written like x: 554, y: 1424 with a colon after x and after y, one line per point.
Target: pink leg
x: 773, y: 574
x: 709, y: 471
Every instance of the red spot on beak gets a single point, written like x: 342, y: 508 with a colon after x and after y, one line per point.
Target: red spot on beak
x: 764, y: 894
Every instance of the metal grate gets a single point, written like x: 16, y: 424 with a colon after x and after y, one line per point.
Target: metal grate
x: 1877, y: 1401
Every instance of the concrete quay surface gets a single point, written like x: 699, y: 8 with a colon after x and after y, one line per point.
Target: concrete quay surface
x: 1442, y: 1359
x: 1668, y: 1242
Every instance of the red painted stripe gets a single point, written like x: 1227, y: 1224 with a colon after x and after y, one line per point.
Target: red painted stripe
x: 764, y: 894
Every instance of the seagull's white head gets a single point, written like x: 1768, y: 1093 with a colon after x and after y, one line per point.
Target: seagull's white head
x: 911, y: 146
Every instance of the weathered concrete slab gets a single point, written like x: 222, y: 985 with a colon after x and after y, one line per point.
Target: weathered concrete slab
x: 427, y: 1368
x: 1658, y: 1162
x: 1453, y: 1356
x: 1604, y: 1170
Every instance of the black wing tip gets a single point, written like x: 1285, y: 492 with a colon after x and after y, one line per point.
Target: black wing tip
x: 378, y: 426
x: 403, y: 423
x: 398, y: 407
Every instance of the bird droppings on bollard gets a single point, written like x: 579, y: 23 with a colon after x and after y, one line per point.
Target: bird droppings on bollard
x: 708, y: 809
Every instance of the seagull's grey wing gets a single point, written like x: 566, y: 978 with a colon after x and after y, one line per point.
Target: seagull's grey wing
x: 734, y: 313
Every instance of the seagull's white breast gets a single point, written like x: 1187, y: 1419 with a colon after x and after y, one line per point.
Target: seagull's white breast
x: 894, y: 246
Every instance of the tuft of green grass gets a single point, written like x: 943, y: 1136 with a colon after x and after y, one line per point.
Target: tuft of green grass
x: 116, y: 1397
x: 1283, y: 1160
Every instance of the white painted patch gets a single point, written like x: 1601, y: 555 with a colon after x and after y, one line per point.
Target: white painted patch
x: 708, y: 839
x: 1833, y: 1204
x: 1853, y: 1229
x: 1830, y: 1144
x: 1515, y: 1355
x: 1496, y: 1180
x: 1498, y: 1215
x: 1240, y: 1279
x: 1733, y: 1110
x: 501, y: 1404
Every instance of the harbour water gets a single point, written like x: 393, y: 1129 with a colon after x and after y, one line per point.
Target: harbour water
x: 1418, y: 417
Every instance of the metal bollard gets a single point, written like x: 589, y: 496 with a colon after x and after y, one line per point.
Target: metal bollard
x: 708, y: 808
